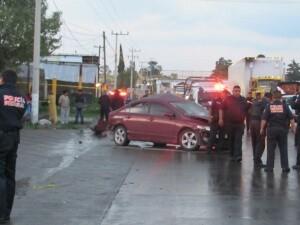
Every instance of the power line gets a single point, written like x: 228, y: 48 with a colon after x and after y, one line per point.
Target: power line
x: 97, y: 13
x: 68, y: 28
x: 111, y: 3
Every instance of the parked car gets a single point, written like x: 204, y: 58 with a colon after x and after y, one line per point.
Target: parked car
x: 161, y: 119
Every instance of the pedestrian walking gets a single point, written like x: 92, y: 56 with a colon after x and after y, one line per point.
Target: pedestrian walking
x: 232, y: 117
x: 214, y: 136
x: 12, y: 109
x: 104, y: 102
x: 258, y: 139
x: 79, y: 105
x: 64, y: 103
x: 277, y: 117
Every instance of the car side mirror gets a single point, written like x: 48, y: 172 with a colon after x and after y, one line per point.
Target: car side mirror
x: 170, y: 115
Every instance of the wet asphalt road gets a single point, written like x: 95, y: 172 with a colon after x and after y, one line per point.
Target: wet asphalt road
x: 74, y: 178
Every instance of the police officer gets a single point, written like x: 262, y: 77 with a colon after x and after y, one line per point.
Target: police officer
x: 258, y: 140
x: 214, y: 136
x: 296, y: 105
x: 277, y: 116
x: 12, y: 108
x: 232, y: 117
x: 248, y: 116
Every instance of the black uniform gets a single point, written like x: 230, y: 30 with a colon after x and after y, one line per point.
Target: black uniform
x: 12, y: 108
x: 278, y: 116
x: 296, y: 105
x: 248, y: 116
x: 104, y: 102
x: 235, y: 109
x: 117, y: 102
x: 257, y: 139
x: 214, y: 136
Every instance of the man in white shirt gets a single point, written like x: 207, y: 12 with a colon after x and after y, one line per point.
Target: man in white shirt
x: 64, y: 102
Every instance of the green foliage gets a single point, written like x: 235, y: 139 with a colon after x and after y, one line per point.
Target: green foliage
x: 154, y: 68
x: 17, y: 29
x: 293, y: 71
x: 121, y: 67
x: 221, y: 69
x: 124, y: 79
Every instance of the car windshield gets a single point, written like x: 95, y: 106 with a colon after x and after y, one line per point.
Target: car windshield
x: 207, y: 96
x: 191, y: 108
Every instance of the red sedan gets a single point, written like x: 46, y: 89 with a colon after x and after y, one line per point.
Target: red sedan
x: 161, y: 119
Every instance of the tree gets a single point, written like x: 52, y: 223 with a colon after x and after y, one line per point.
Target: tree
x: 221, y: 69
x: 17, y: 29
x: 154, y: 68
x: 293, y: 71
x: 121, y: 68
x: 174, y: 76
x: 126, y: 78
x: 261, y: 56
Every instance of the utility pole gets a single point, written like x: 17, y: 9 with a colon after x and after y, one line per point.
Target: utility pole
x: 36, y: 63
x: 98, y: 70
x: 131, y: 71
x: 145, y: 77
x: 104, y: 53
x: 116, y: 56
x: 99, y: 62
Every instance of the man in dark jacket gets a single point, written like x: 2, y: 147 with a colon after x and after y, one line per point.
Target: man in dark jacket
x: 104, y: 102
x: 214, y: 136
x: 12, y: 109
x: 117, y: 100
x: 232, y: 117
x: 277, y: 116
x: 248, y: 116
x: 79, y: 104
x: 258, y: 140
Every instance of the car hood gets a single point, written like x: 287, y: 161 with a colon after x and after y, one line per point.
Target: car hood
x: 203, y: 119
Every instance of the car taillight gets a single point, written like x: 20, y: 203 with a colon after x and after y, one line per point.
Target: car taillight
x: 111, y: 93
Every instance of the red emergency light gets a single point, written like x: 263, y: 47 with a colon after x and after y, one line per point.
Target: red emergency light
x: 219, y: 87
x: 121, y: 92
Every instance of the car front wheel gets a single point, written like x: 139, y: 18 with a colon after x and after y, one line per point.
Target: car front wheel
x: 188, y: 140
x: 120, y: 136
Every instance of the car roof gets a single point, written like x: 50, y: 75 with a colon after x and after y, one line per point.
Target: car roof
x: 165, y: 98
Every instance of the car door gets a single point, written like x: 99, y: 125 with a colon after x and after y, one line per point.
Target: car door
x: 137, y: 117
x: 162, y: 126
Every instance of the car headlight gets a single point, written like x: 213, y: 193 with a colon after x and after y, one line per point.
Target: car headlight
x: 201, y: 127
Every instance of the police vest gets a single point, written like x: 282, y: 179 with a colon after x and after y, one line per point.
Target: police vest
x: 279, y: 115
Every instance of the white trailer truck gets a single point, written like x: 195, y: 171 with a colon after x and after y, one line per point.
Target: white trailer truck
x: 253, y: 75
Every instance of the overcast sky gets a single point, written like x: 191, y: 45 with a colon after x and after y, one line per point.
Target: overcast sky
x: 183, y: 34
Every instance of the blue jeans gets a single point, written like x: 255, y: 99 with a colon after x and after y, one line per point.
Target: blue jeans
x: 79, y: 114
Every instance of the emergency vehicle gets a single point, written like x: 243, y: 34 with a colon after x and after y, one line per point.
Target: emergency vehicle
x: 202, y: 90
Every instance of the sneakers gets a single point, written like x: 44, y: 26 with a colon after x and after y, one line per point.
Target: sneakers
x: 260, y: 166
x: 296, y: 167
x: 269, y: 170
x: 239, y: 160
x: 286, y: 170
